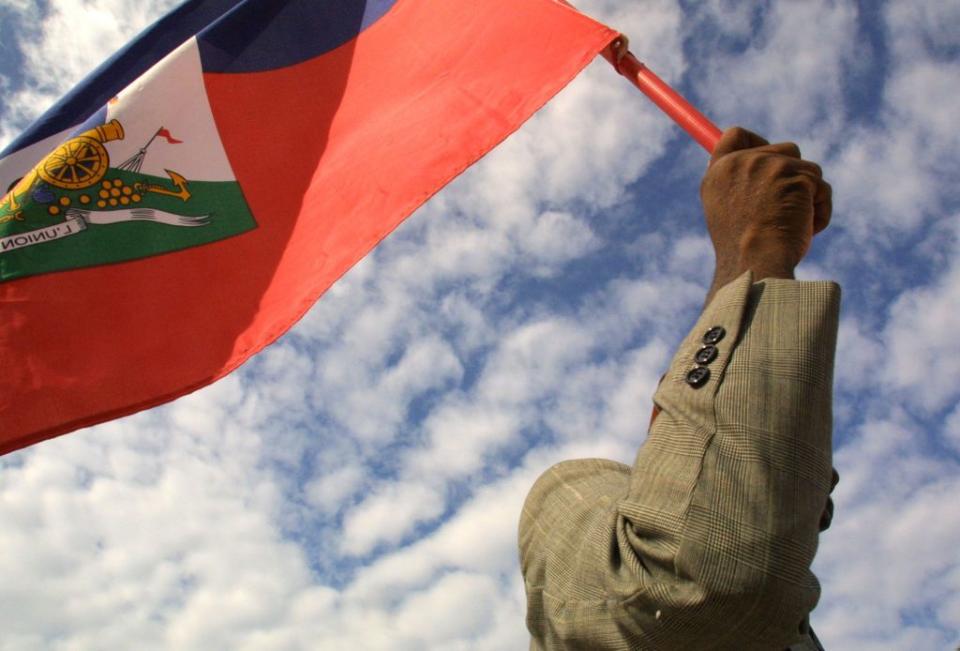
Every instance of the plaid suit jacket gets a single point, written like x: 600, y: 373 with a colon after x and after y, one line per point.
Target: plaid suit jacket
x: 707, y: 541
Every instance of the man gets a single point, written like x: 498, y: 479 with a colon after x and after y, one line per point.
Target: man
x: 707, y: 542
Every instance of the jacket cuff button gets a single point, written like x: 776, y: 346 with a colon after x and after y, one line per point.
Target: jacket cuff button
x: 706, y: 354
x: 714, y: 334
x: 698, y: 376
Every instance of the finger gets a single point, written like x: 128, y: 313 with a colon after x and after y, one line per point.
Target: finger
x: 821, y: 196
x: 794, y: 166
x: 812, y: 168
x: 783, y: 148
x: 822, y: 206
x: 735, y: 139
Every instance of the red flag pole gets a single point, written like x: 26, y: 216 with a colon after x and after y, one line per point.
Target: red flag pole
x: 670, y: 101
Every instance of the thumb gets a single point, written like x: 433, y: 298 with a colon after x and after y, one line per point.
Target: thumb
x: 735, y: 139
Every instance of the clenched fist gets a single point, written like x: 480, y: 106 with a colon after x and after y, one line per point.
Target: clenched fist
x: 763, y: 205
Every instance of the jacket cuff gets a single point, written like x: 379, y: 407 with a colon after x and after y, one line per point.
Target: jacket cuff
x: 697, y: 370
x: 713, y: 337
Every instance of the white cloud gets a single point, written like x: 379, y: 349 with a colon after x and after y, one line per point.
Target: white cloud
x: 789, y: 81
x: 858, y: 352
x: 113, y: 558
x: 379, y: 396
x: 458, y: 606
x: 17, y: 5
x: 920, y: 25
x: 389, y: 514
x: 460, y: 435
x: 890, y: 505
x: 358, y: 485
x: 923, y: 349
x: 892, y: 174
x: 629, y: 406
x: 488, y: 521
x: 330, y: 492
x: 558, y: 237
x: 889, y: 177
x: 68, y: 41
x: 952, y: 429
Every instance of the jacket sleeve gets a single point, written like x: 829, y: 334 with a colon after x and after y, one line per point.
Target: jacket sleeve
x: 707, y: 542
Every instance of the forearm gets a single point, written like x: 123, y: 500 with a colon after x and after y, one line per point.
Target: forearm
x: 727, y: 492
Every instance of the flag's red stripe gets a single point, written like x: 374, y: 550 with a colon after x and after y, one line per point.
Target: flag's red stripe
x: 333, y: 154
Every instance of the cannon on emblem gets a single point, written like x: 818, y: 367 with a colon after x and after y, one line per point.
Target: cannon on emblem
x: 78, y: 163
x: 81, y: 161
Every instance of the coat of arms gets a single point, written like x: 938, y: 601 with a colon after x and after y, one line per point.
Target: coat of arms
x: 122, y: 212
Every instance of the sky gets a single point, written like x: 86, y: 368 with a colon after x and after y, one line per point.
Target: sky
x: 358, y: 484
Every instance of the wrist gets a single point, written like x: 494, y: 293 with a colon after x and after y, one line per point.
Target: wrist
x: 726, y: 271
x: 773, y: 265
x: 729, y: 268
x: 767, y: 256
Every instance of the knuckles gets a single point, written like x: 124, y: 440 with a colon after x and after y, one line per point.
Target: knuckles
x: 757, y: 167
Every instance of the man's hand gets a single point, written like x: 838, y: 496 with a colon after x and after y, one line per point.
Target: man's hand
x: 763, y: 205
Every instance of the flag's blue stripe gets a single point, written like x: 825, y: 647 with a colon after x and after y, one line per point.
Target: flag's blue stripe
x: 233, y: 35
x: 117, y: 72
x: 260, y: 35
x: 95, y: 120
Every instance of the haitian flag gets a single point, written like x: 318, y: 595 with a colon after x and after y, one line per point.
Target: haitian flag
x: 188, y: 202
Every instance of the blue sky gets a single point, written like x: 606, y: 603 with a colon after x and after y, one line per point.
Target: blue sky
x: 358, y: 484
